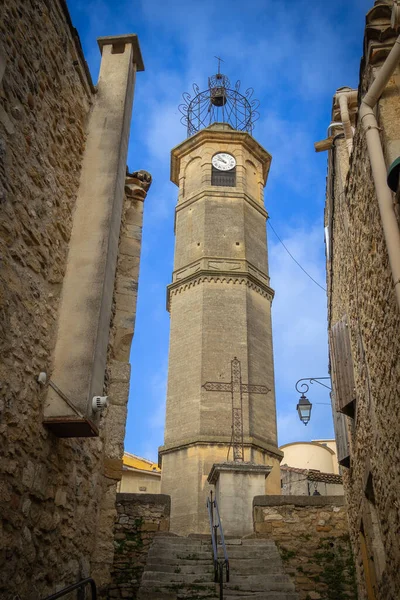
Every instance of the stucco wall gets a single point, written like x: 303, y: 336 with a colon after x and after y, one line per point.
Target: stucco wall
x: 360, y: 286
x: 312, y: 536
x: 133, y: 481
x: 309, y: 455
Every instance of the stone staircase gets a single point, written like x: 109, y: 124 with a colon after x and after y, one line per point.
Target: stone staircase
x: 180, y: 568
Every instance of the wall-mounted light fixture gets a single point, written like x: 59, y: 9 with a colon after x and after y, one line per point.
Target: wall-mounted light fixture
x: 304, y: 406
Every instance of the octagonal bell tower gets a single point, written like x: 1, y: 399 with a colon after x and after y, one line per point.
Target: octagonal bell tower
x: 220, y: 398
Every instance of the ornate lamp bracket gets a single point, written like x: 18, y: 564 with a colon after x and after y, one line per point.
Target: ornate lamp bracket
x: 311, y: 380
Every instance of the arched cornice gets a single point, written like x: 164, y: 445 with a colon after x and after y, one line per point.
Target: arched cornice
x: 218, y: 279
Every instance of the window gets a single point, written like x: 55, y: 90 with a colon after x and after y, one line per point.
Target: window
x: 343, y: 388
x: 372, y: 529
x: 342, y: 367
x: 227, y: 178
x: 342, y: 438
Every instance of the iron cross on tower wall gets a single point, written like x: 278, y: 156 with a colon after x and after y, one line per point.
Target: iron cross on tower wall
x: 237, y: 389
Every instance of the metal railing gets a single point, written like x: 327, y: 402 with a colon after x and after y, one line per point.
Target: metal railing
x: 216, y: 528
x: 76, y: 586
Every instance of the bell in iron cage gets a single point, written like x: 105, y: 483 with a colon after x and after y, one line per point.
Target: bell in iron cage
x: 218, y: 92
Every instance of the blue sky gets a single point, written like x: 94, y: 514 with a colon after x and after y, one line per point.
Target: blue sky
x: 295, y: 54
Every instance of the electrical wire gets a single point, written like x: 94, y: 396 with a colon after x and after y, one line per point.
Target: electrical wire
x: 293, y: 258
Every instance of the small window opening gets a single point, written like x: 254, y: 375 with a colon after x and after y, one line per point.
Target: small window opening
x: 118, y: 48
x: 226, y: 178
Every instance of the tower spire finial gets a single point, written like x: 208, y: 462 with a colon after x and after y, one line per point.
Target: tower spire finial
x: 220, y: 103
x: 219, y: 63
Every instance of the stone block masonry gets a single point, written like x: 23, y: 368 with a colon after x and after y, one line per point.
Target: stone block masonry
x: 44, y: 483
x: 311, y: 533
x: 361, y: 295
x: 139, y: 518
x: 80, y: 353
x: 57, y: 496
x: 220, y: 306
x: 112, y: 432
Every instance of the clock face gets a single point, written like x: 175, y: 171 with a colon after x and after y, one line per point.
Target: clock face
x: 223, y: 161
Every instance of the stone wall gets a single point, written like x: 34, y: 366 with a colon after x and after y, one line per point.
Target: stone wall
x: 139, y: 518
x: 360, y: 286
x: 312, y: 536
x: 57, y: 496
x: 122, y: 328
x: 48, y: 502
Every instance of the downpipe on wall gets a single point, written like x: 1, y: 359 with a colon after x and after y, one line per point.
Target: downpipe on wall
x: 343, y: 99
x: 378, y: 165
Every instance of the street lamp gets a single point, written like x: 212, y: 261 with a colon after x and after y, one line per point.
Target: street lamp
x: 304, y: 409
x: 304, y: 406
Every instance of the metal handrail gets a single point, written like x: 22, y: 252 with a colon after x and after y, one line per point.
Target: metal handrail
x: 76, y: 586
x: 222, y: 540
x: 213, y: 537
x: 214, y: 527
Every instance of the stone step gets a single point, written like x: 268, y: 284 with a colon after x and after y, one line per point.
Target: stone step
x: 264, y: 559
x: 189, y: 567
x: 149, y: 591
x: 178, y: 554
x: 175, y: 549
x: 156, y: 596
x: 250, y: 568
x: 172, y: 577
x: 166, y: 539
x: 265, y: 580
x: 182, y: 568
x: 250, y: 542
x: 149, y: 594
x: 262, y: 586
x: 182, y: 548
x: 237, y: 595
x: 167, y: 562
x: 186, y: 544
x: 249, y: 553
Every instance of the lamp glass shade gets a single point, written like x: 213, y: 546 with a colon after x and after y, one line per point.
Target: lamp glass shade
x: 304, y: 409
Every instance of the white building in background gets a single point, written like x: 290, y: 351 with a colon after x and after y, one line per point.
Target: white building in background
x: 311, y: 468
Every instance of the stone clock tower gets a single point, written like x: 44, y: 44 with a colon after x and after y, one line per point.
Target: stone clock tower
x: 220, y: 399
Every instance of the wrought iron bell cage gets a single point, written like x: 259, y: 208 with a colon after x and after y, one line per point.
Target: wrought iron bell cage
x: 219, y: 103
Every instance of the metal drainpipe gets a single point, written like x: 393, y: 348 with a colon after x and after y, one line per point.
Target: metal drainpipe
x: 378, y: 165
x: 343, y: 100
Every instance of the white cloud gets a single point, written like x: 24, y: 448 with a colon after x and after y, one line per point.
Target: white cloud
x: 295, y: 55
x: 291, y: 144
x: 299, y: 328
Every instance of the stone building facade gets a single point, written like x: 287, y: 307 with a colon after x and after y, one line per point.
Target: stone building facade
x: 363, y: 312
x: 58, y: 486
